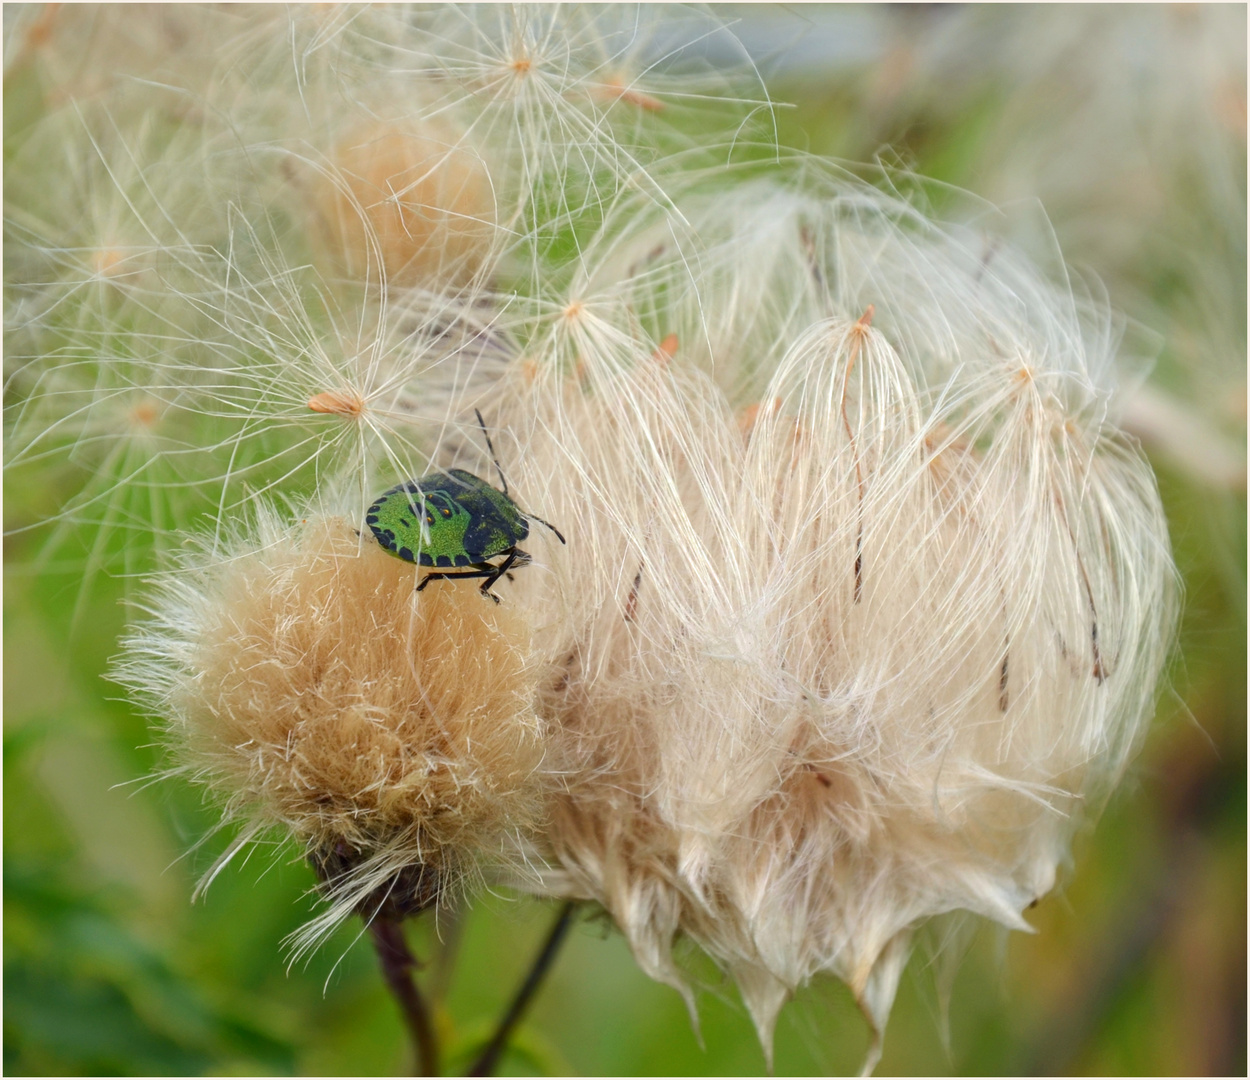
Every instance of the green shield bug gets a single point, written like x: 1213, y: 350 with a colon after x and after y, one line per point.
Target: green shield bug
x: 454, y: 521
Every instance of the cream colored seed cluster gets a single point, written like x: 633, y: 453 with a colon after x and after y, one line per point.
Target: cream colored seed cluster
x: 864, y: 599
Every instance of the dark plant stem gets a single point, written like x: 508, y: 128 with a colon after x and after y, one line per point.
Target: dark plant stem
x: 398, y: 964
x: 489, y: 1058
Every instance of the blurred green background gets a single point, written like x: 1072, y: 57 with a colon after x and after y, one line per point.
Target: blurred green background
x: 1129, y: 124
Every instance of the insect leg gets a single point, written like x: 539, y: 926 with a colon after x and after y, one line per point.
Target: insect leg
x: 522, y: 559
x: 499, y: 571
x: 453, y: 575
x: 489, y: 571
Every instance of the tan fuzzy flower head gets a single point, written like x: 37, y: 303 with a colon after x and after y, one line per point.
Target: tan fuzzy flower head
x: 312, y: 690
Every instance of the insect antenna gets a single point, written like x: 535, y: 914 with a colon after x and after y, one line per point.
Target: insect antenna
x: 559, y: 534
x: 503, y: 480
x: 493, y: 456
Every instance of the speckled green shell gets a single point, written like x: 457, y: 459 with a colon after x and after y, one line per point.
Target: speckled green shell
x: 446, y: 519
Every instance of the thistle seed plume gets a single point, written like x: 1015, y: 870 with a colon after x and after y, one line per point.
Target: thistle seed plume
x: 343, y: 202
x: 1170, y: 117
x: 315, y: 694
x: 79, y: 54
x: 160, y: 342
x: 862, y: 651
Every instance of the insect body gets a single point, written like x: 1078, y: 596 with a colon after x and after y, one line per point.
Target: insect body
x: 454, y: 521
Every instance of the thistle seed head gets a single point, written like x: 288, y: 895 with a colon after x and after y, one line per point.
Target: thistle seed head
x: 307, y: 685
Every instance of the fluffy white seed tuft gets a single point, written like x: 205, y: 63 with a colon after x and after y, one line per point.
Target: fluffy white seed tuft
x: 861, y: 651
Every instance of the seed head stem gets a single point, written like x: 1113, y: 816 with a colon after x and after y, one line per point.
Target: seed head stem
x: 485, y: 1064
x: 397, y: 967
